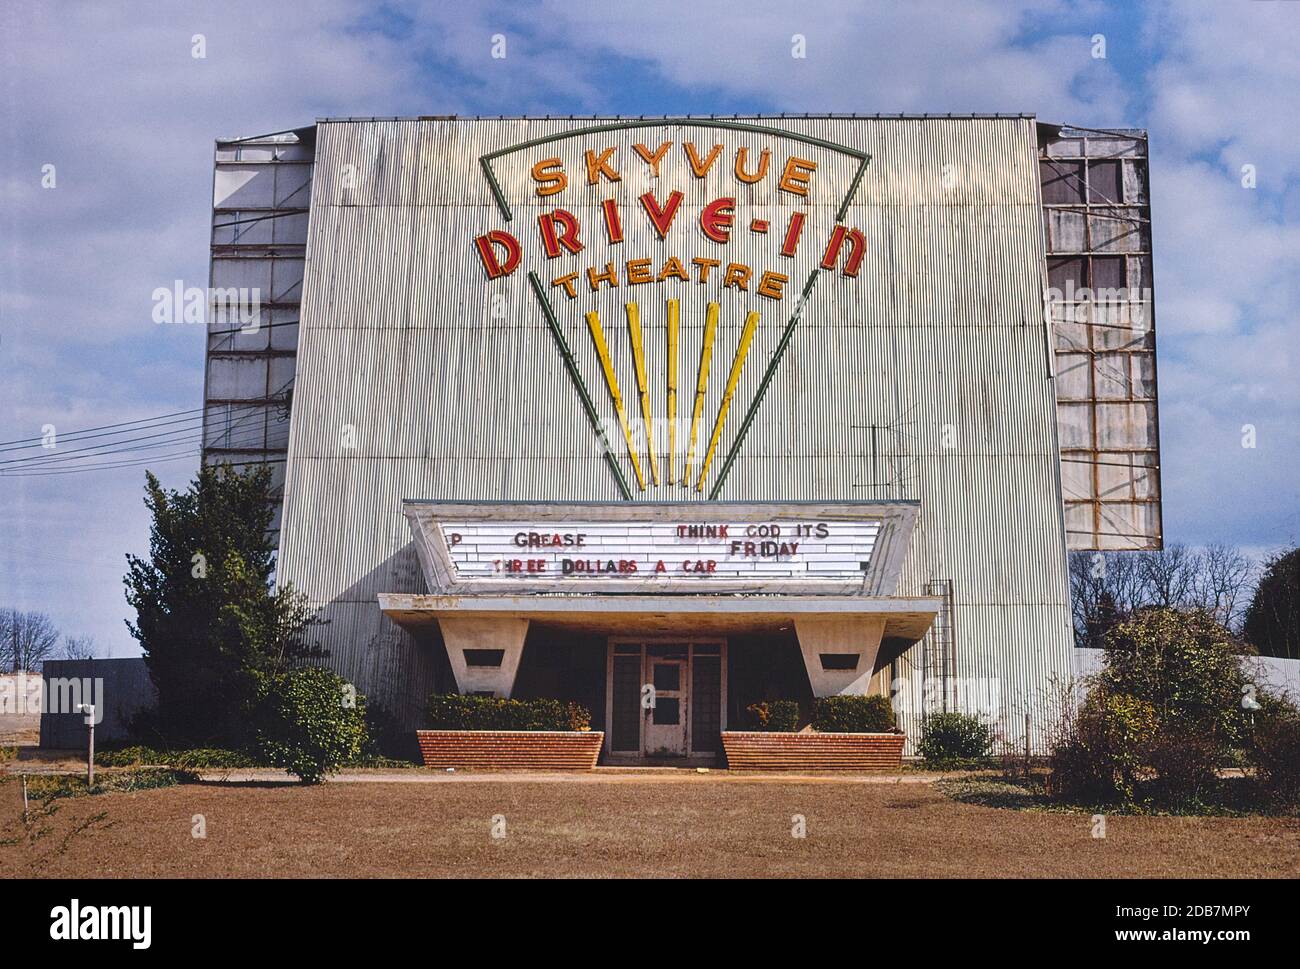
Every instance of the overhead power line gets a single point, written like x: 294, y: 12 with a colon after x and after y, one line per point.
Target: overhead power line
x: 124, y: 437
x: 116, y: 446
x: 172, y: 440
x: 102, y: 427
x: 190, y: 454
x: 186, y: 425
x: 124, y: 448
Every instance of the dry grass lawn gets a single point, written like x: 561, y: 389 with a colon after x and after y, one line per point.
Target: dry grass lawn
x: 19, y: 729
x: 692, y: 827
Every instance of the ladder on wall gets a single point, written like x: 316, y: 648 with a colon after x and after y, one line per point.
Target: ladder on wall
x: 938, y: 657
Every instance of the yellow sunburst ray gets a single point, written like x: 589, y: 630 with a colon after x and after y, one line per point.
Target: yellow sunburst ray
x: 672, y: 389
x: 642, y: 386
x: 733, y: 380
x: 611, y: 381
x: 701, y: 384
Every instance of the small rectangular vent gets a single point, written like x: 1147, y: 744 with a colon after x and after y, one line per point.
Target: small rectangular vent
x: 839, y: 661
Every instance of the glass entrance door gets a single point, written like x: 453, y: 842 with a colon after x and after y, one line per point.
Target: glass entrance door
x: 667, y: 700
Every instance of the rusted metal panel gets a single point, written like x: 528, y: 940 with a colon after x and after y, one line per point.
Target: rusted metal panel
x: 1097, y: 216
x: 260, y: 206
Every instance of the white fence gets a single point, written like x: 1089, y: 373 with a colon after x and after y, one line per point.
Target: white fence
x: 1279, y: 675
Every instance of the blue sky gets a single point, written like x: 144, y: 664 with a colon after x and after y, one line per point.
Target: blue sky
x: 111, y: 96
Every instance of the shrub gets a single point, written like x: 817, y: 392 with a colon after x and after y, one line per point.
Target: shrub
x: 133, y: 756
x: 951, y: 737
x: 1099, y: 757
x: 210, y: 758
x: 201, y: 758
x: 1275, y: 752
x: 1078, y: 775
x: 1162, y: 716
x: 50, y: 786
x: 1186, y: 665
x: 775, y: 715
x: 309, y: 721
x: 854, y: 714
x: 452, y: 711
x: 1182, y: 763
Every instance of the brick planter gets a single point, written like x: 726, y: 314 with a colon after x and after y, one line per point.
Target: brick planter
x: 769, y: 750
x: 511, y: 749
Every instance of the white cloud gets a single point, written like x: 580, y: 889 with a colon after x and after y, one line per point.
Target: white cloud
x: 1228, y: 83
x: 1223, y: 257
x: 1225, y: 93
x: 884, y: 57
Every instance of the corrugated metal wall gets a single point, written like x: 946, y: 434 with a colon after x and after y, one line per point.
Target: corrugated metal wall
x: 927, y: 377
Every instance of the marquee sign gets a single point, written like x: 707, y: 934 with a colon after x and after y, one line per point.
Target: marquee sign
x: 622, y: 550
x: 847, y: 548
x: 671, y: 259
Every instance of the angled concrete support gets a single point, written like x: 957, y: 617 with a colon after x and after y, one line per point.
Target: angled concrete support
x: 839, y: 652
x: 484, y: 653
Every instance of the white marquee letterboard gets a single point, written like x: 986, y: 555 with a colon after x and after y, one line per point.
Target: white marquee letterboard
x: 619, y: 550
x: 661, y: 548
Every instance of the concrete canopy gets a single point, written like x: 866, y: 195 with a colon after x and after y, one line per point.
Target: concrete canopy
x: 839, y: 637
x: 903, y: 617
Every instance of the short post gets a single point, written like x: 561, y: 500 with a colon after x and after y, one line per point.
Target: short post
x: 1026, y: 744
x: 24, y: 799
x: 89, y: 710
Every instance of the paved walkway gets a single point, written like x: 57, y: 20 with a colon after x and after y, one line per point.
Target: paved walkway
x: 34, y: 760
x: 614, y: 775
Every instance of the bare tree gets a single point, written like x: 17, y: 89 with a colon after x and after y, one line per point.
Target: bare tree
x: 29, y: 638
x: 1106, y: 586
x: 1125, y: 579
x: 1223, y: 582
x: 1087, y: 595
x: 79, y: 647
x: 1169, y: 576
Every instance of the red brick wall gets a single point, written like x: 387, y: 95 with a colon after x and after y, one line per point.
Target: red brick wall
x: 511, y: 749
x: 748, y: 750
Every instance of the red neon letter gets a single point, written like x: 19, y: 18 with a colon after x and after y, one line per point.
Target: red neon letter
x: 662, y: 218
x: 792, y: 234
x: 715, y: 220
x: 567, y: 237
x: 857, y: 249
x: 613, y: 223
x: 486, y: 253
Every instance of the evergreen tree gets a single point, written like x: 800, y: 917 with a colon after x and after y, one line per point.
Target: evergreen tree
x: 207, y: 614
x: 1273, y: 617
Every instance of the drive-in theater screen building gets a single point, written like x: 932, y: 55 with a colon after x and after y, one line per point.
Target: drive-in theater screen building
x: 741, y: 409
